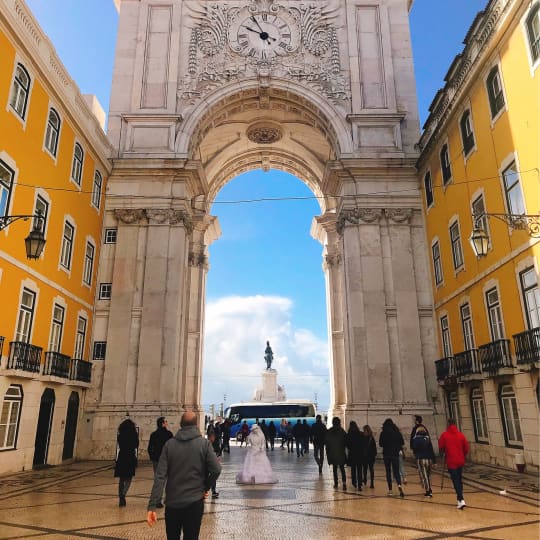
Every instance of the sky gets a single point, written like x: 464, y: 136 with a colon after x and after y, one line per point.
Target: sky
x: 265, y: 280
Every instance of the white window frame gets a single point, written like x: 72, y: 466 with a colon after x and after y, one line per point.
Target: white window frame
x: 494, y: 314
x: 110, y: 236
x: 513, y: 434
x: 479, y: 416
x: 88, y: 268
x: 477, y: 201
x: 532, y: 15
x: 530, y: 292
x: 7, y: 179
x: 77, y: 165
x: 446, y: 338
x: 67, y: 245
x: 494, y: 75
x: 99, y: 350
x: 456, y: 245
x: 52, y: 133
x: 445, y: 164
x: 467, y: 328
x: 427, y: 175
x: 470, y: 131
x: 453, y: 408
x: 97, y: 187
x: 512, y: 204
x: 105, y: 291
x: 437, y: 262
x: 80, y: 337
x: 17, y: 90
x: 57, y: 328
x: 10, y: 417
x: 25, y: 315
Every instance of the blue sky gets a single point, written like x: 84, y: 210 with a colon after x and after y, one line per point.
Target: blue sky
x: 265, y: 279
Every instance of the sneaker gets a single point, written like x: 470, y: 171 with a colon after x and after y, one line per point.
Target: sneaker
x: 427, y: 494
x: 404, y: 480
x: 215, y: 495
x: 390, y: 493
x: 401, y: 494
x: 320, y: 469
x: 335, y: 486
x: 122, y: 501
x: 461, y: 504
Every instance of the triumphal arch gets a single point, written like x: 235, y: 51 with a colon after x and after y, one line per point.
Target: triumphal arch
x: 205, y: 90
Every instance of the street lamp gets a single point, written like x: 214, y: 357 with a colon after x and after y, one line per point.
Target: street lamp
x: 479, y: 238
x: 35, y: 241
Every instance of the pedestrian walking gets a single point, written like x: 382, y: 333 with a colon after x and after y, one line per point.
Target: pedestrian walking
x: 402, y: 474
x: 126, y: 460
x: 336, y: 444
x: 298, y: 433
x: 271, y: 434
x: 290, y: 438
x: 455, y: 447
x: 355, y: 447
x: 425, y: 458
x: 391, y: 442
x: 244, y: 432
x: 318, y: 436
x: 370, y: 453
x: 157, y: 440
x: 226, y: 436
x: 283, y: 432
x: 189, y: 467
x: 417, y: 424
x: 214, y: 441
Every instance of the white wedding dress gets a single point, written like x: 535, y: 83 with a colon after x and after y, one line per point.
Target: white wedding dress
x: 256, y: 468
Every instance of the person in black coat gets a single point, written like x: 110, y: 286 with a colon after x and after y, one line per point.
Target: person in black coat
x: 355, y: 445
x: 126, y: 461
x: 155, y: 445
x: 271, y: 434
x: 391, y: 442
x: 425, y: 457
x: 370, y: 452
x: 318, y: 436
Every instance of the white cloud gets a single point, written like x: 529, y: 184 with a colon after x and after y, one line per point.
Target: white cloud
x: 236, y: 331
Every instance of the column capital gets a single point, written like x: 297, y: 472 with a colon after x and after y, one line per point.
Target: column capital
x: 129, y: 216
x: 168, y: 216
x: 399, y: 215
x: 357, y: 216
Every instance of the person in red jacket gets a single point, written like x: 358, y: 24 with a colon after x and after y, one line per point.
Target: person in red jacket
x: 455, y: 447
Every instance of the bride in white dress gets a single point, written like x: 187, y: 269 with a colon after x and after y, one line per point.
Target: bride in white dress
x: 256, y: 468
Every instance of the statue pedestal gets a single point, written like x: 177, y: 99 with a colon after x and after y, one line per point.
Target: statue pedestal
x: 269, y: 385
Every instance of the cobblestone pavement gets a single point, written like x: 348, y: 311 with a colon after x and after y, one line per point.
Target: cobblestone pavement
x: 79, y: 501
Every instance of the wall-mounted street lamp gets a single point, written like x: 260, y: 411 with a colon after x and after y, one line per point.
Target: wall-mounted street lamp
x: 479, y: 238
x: 35, y: 241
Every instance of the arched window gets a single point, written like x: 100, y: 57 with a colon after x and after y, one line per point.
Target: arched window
x: 445, y: 164
x: 533, y: 32
x: 52, y: 132
x: 20, y: 91
x: 467, y: 135
x: 478, y: 408
x: 10, y: 417
x: 77, y: 165
x: 510, y: 416
x: 495, y: 91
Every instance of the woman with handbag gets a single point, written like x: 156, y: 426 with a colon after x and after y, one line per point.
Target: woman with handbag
x: 126, y: 461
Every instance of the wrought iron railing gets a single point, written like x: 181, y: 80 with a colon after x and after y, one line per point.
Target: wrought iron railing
x: 527, y: 346
x: 24, y: 356
x: 81, y: 370
x: 56, y: 364
x: 444, y: 368
x: 495, y: 356
x: 466, y: 363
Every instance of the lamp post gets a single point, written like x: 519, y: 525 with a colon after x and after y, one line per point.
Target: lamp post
x: 35, y: 241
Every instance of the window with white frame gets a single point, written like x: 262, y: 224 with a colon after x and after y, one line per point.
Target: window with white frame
x: 88, y: 263
x: 467, y: 134
x: 446, y: 168
x: 437, y: 263
x: 20, y: 91
x: 531, y: 296
x: 41, y: 208
x: 110, y: 236
x: 457, y: 250
x: 52, y: 132
x: 25, y: 318
x: 510, y: 416
x: 105, y: 291
x: 100, y: 348
x: 77, y: 165
x: 6, y: 185
x: 467, y: 326
x: 453, y: 408
x: 479, y: 214
x: 96, y: 191
x: 445, y: 334
x: 80, y: 338
x: 494, y: 314
x: 428, y: 189
x: 495, y: 91
x: 67, y: 245
x: 57, y: 328
x: 533, y: 32
x: 478, y: 408
x: 512, y: 190
x: 10, y: 417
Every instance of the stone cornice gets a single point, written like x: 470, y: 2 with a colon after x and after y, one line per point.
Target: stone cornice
x: 371, y: 215
x: 154, y: 216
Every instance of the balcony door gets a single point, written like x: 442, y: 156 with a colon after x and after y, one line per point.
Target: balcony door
x: 44, y: 425
x: 26, y: 316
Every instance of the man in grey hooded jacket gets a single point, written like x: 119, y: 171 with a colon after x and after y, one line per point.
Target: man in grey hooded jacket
x: 189, y: 466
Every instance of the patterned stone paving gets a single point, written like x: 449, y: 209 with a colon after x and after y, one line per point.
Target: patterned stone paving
x: 79, y: 501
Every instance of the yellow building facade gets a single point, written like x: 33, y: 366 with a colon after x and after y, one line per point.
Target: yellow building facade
x: 53, y: 163
x: 480, y: 170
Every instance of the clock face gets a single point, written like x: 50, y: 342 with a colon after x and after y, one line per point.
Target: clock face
x: 263, y: 36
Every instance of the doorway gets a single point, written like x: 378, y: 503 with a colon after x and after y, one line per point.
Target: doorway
x: 71, y: 425
x: 43, y: 431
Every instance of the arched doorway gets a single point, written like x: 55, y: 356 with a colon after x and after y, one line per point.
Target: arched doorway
x: 44, y: 425
x: 71, y: 425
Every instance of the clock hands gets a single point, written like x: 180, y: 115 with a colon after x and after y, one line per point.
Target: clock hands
x: 262, y: 34
x: 257, y: 23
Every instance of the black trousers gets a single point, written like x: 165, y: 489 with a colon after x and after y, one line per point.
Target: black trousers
x: 335, y: 473
x: 391, y: 465
x: 456, y: 476
x: 318, y: 451
x: 187, y: 519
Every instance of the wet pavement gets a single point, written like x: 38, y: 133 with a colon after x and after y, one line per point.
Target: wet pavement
x: 80, y: 501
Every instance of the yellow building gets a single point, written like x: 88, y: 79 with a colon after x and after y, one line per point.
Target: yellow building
x: 53, y: 160
x: 479, y: 169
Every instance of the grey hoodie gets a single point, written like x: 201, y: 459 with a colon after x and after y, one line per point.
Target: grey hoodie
x: 189, y: 466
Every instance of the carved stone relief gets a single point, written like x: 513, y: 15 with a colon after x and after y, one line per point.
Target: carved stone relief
x: 129, y: 215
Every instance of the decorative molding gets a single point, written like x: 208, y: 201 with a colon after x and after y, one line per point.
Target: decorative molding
x: 332, y: 259
x: 399, y: 215
x: 264, y: 133
x: 357, y: 216
x: 129, y: 216
x: 197, y: 260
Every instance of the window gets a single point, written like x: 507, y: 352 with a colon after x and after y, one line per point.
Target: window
x: 437, y: 263
x: 10, y: 417
x: 531, y: 297
x: 495, y: 91
x: 80, y: 338
x: 428, y: 188
x: 453, y: 408
x: 512, y: 190
x: 6, y: 185
x: 105, y: 290
x: 88, y: 263
x: 445, y: 333
x: 67, y: 245
x: 479, y: 209
x: 110, y: 236
x: 510, y: 416
x: 478, y: 408
x: 77, y: 165
x: 445, y: 164
x: 42, y: 208
x: 20, y: 91
x: 457, y: 251
x: 100, y: 348
x: 533, y: 32
x: 52, y: 132
x: 467, y: 135
x: 96, y: 192
x: 466, y: 326
x: 494, y: 315
x: 26, y: 316
x: 57, y: 327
